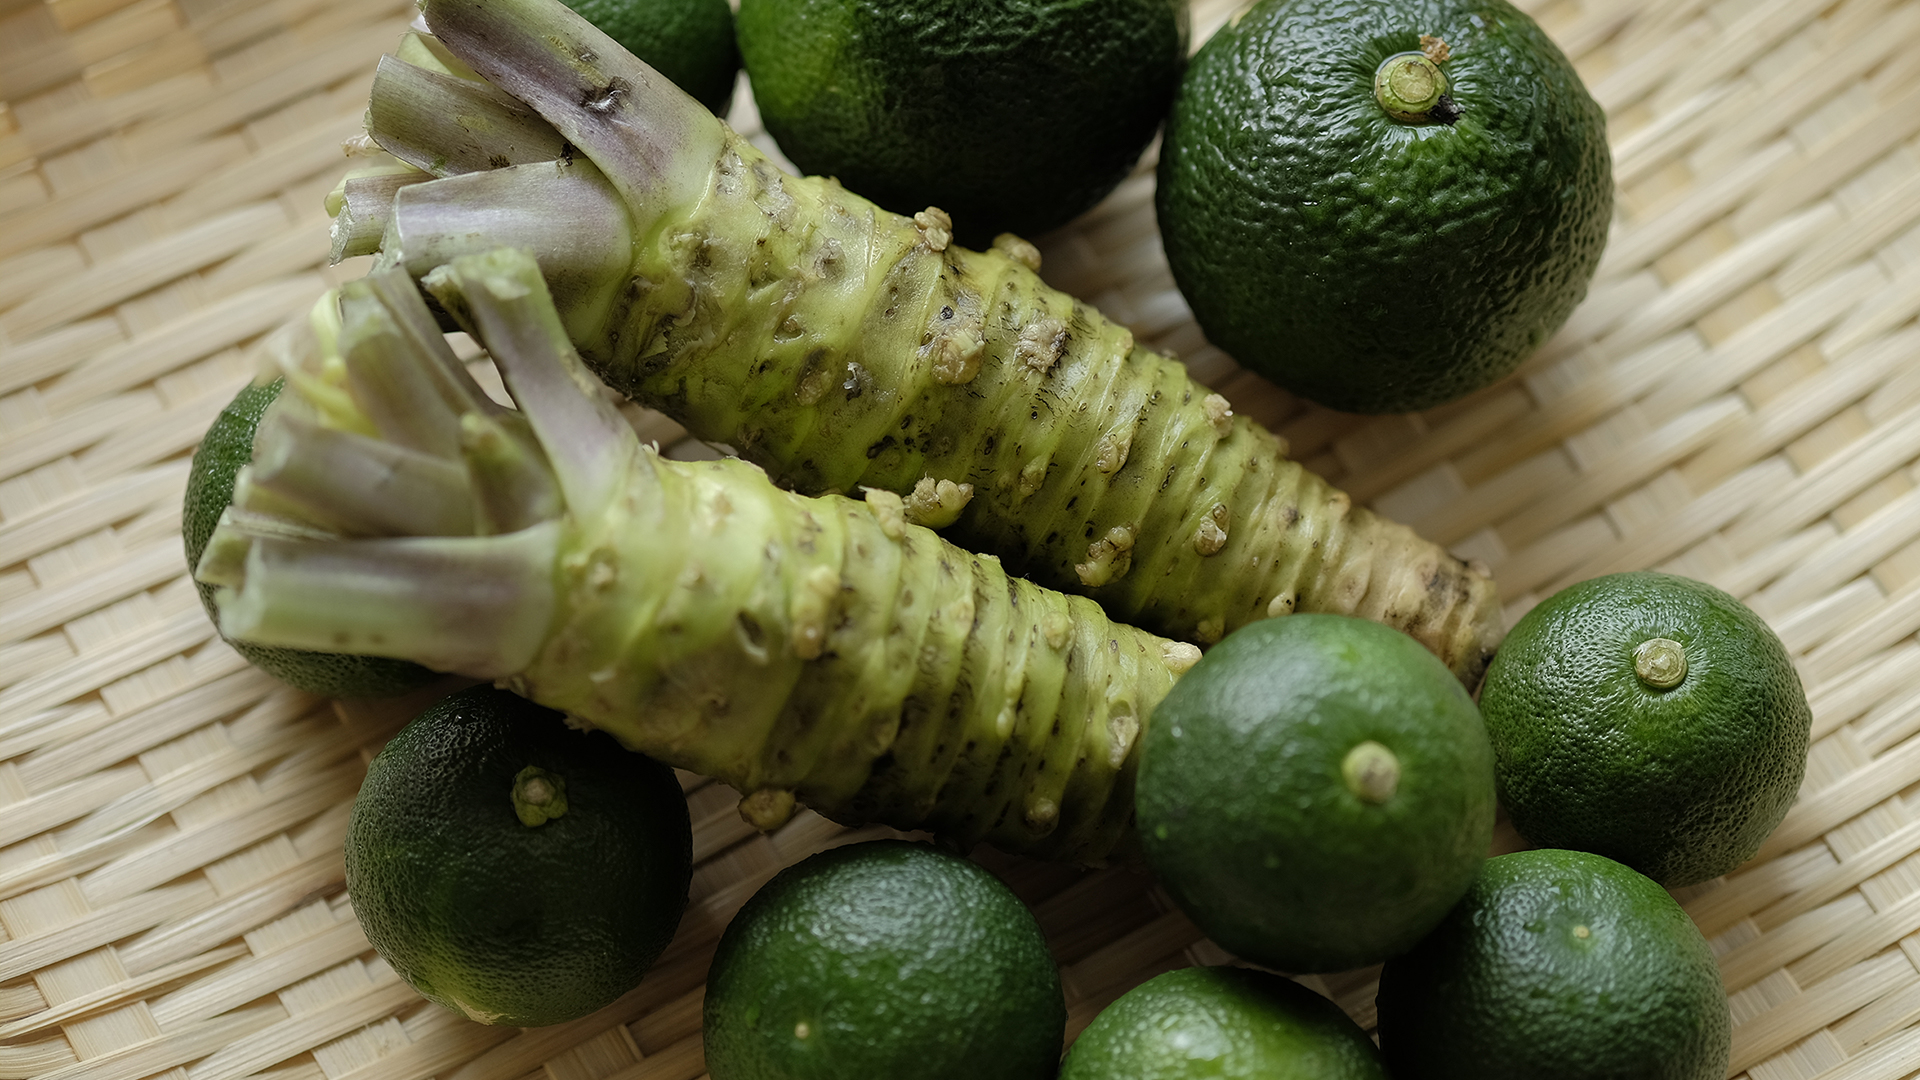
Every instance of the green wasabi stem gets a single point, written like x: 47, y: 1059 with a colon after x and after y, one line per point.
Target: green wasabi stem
x: 362, y: 214
x: 807, y: 651
x: 475, y: 605
x: 449, y: 125
x: 425, y: 51
x: 456, y: 121
x: 361, y: 203
x: 655, y: 143
x: 311, y: 470
x: 842, y: 347
x: 563, y: 210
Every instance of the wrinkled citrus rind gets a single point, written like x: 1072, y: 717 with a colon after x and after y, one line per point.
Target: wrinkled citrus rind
x: 1369, y: 264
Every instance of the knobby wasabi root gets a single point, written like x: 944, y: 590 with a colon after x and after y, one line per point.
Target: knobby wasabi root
x: 842, y: 347
x: 815, y: 651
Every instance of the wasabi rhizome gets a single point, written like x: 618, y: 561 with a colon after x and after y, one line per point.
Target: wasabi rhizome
x: 840, y: 346
x: 824, y: 651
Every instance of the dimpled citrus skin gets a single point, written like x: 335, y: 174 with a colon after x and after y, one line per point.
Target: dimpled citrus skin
x: 1682, y: 784
x: 883, y: 959
x: 505, y: 922
x: 1508, y: 985
x: 225, y: 449
x: 1224, y: 1022
x: 1369, y: 264
x: 1245, y: 816
x: 1010, y: 115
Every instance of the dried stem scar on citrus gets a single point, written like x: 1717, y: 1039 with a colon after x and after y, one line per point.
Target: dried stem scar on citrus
x: 1316, y: 792
x: 1383, y: 204
x: 1651, y: 718
x: 512, y: 868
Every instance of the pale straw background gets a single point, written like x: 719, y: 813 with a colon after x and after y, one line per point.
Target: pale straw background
x: 1738, y: 400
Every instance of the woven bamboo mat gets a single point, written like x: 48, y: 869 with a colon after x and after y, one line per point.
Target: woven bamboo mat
x: 1738, y: 400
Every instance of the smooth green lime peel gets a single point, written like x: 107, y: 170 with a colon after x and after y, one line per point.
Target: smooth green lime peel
x: 1651, y: 718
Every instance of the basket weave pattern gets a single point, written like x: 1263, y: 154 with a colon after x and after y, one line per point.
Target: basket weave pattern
x: 1738, y: 399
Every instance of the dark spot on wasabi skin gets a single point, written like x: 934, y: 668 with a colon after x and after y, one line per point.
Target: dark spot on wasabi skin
x: 604, y: 100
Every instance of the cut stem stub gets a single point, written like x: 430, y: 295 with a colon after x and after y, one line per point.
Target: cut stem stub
x: 1660, y: 663
x: 1412, y: 89
x: 1371, y: 771
x: 538, y: 796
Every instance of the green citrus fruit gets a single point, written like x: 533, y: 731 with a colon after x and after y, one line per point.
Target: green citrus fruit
x: 1558, y: 965
x: 1010, y: 115
x: 1370, y: 261
x: 883, y: 959
x: 226, y: 448
x: 513, y: 868
x: 688, y: 41
x: 1650, y: 718
x: 1225, y: 1023
x: 1316, y: 792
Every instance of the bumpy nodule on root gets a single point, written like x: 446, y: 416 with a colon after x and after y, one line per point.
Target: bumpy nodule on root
x: 840, y: 346
x: 824, y: 651
x: 816, y: 651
